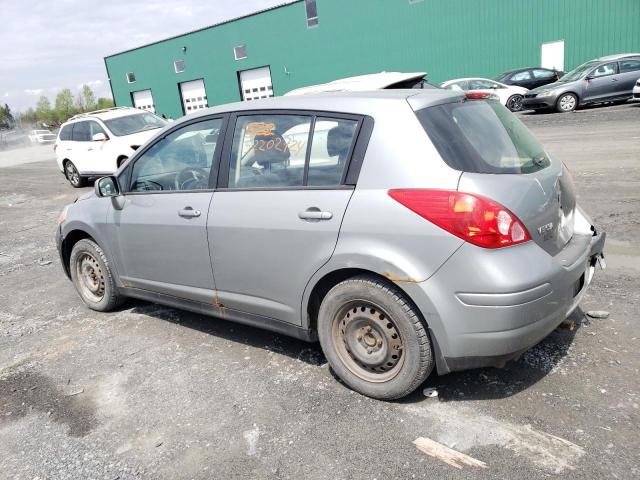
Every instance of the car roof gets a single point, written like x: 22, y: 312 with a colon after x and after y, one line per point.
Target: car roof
x: 617, y: 56
x: 358, y: 102
x: 371, y: 81
x: 106, y: 114
x: 469, y: 78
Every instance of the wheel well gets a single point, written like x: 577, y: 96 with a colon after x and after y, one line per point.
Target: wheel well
x: 69, y: 241
x: 121, y: 160
x: 329, y: 281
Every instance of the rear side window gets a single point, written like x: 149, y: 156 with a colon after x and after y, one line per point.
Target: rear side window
x: 629, y: 66
x: 482, y: 137
x: 521, y: 76
x: 65, y: 133
x: 81, y: 132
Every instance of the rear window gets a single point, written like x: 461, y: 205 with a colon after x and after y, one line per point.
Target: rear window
x: 482, y: 137
x: 65, y: 133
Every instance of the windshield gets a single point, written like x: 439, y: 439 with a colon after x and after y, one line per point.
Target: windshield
x: 138, y: 122
x: 501, y: 77
x: 482, y: 137
x: 578, y: 72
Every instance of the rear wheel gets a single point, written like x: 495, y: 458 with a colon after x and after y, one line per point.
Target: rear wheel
x: 92, y: 276
x: 514, y: 103
x: 72, y: 174
x: 567, y: 102
x: 373, y: 338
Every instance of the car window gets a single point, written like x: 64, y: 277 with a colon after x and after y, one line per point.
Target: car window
x: 604, y: 70
x: 330, y: 148
x: 81, y: 132
x: 137, y: 122
x: 457, y: 86
x: 481, y: 84
x: 269, y: 151
x: 521, y: 76
x: 95, y: 128
x: 543, y: 74
x: 180, y: 161
x: 629, y: 66
x: 65, y: 133
x: 482, y: 137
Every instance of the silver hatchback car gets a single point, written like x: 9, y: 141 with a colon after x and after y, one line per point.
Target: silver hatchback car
x: 407, y: 230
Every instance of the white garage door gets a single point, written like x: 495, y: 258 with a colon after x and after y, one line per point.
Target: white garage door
x: 144, y: 100
x: 256, y: 83
x: 552, y: 55
x: 194, y: 97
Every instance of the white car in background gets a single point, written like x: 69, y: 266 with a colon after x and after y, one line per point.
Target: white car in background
x: 511, y: 96
x: 636, y: 91
x: 37, y: 137
x: 372, y: 81
x: 95, y: 144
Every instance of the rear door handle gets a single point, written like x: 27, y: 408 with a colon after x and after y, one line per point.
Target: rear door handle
x: 188, y: 212
x: 314, y: 214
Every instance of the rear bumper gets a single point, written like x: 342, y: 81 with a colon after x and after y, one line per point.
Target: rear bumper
x: 485, y: 307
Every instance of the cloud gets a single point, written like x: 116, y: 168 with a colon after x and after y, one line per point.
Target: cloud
x: 34, y: 92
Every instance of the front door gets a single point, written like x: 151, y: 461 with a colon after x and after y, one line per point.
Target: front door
x: 160, y: 229
x: 602, y: 82
x: 276, y: 220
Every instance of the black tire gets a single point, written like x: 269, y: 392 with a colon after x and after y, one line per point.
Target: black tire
x: 72, y: 174
x: 359, y: 317
x: 92, y: 277
x: 514, y: 103
x: 567, y: 102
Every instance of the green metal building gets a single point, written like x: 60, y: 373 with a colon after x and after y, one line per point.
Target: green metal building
x: 315, y: 41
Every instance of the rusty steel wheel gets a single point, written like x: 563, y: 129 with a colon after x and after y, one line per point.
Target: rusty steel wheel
x: 91, y: 277
x: 368, y: 341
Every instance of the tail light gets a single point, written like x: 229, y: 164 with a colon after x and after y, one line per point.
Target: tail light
x: 481, y: 96
x: 475, y: 219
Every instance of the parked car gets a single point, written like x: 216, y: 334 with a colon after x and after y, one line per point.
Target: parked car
x: 605, y: 79
x: 424, y: 230
x: 41, y: 137
x: 509, y: 95
x: 529, y: 78
x: 373, y: 81
x: 13, y: 139
x: 97, y: 143
x: 636, y: 91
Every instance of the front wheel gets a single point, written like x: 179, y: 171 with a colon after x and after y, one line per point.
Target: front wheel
x: 567, y: 102
x: 373, y: 338
x: 92, y: 276
x: 72, y: 174
x: 514, y: 103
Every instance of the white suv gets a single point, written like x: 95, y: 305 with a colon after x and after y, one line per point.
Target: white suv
x: 96, y: 143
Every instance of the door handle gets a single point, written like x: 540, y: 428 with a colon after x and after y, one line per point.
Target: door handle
x: 188, y: 212
x: 314, y: 214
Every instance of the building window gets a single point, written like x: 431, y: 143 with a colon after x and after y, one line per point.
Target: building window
x: 131, y: 78
x: 240, y: 52
x: 178, y: 65
x: 312, y: 13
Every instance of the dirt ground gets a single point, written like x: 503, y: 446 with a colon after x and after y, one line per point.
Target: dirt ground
x: 153, y: 392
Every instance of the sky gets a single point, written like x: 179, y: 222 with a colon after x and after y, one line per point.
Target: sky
x: 46, y: 46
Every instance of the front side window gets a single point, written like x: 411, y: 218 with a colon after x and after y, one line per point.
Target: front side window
x: 180, y: 161
x: 521, y: 76
x: 269, y: 151
x: 94, y: 127
x: 604, y: 70
x: 81, y: 132
x: 330, y: 149
x: 312, y: 13
x: 130, y: 124
x: 481, y: 136
x: 629, y: 66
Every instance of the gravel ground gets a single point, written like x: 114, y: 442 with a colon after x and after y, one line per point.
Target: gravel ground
x: 153, y: 392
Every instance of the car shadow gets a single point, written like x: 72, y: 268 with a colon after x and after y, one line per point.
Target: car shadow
x: 518, y: 375
x: 310, y: 353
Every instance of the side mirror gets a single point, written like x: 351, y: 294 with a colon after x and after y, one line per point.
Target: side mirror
x: 589, y: 77
x: 99, y: 137
x: 107, y: 186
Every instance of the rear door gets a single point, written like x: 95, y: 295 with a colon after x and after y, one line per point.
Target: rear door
x: 502, y: 160
x: 160, y: 227
x: 81, y: 149
x: 275, y: 218
x: 629, y: 73
x: 602, y: 83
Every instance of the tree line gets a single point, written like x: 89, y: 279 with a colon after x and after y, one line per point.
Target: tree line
x: 64, y: 107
